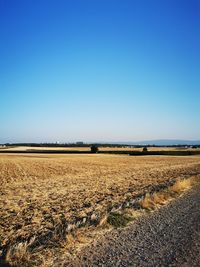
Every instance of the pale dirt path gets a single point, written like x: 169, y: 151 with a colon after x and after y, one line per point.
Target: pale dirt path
x: 167, y: 237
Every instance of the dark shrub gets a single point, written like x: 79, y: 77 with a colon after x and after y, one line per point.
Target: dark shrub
x: 94, y: 149
x: 118, y: 220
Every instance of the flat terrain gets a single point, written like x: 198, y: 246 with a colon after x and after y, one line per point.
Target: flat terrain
x: 125, y: 148
x: 167, y: 237
x: 43, y: 197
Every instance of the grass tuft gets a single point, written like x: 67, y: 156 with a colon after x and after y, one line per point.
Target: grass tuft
x: 118, y: 220
x: 181, y: 185
x: 19, y: 255
x: 160, y: 198
x: 147, y: 202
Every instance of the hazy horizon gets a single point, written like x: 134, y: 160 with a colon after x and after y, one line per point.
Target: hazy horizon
x: 99, y: 71
x: 128, y: 142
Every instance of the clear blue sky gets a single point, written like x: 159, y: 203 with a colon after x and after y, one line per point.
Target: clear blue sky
x: 99, y: 70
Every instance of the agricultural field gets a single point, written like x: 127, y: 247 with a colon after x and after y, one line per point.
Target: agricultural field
x: 43, y: 198
x: 87, y: 148
x: 30, y: 148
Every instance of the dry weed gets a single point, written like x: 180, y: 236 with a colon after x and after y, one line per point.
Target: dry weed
x: 147, y: 202
x: 181, y: 185
x: 18, y: 255
x: 150, y: 201
x: 103, y: 221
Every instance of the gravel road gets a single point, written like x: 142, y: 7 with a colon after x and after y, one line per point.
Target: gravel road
x: 169, y: 236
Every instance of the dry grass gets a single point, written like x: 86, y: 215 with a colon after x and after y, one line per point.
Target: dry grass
x: 182, y: 185
x: 150, y: 201
x: 44, y: 197
x: 147, y: 202
x: 18, y: 255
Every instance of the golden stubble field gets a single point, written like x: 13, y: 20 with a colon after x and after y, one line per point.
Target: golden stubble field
x: 43, y: 197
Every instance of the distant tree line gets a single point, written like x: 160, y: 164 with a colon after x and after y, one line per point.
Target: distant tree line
x: 96, y: 144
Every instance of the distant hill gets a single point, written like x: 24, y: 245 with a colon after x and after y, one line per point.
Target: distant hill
x: 166, y: 142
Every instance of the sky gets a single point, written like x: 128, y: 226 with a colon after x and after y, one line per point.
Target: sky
x: 99, y: 70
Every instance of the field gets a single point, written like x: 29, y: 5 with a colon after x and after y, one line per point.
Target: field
x: 44, y: 197
x: 87, y: 149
